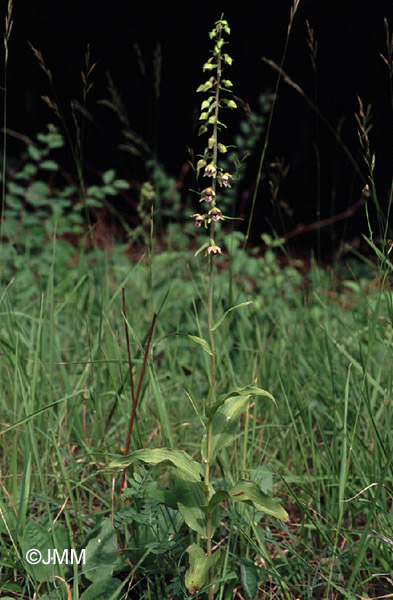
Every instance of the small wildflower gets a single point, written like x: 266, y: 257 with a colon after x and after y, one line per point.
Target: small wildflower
x: 215, y: 214
x: 210, y: 170
x: 213, y: 249
x: 224, y: 179
x: 199, y: 219
x: 208, y: 194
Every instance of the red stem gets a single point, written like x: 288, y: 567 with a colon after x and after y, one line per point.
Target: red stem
x: 135, y: 397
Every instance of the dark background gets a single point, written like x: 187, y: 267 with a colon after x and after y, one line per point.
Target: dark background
x: 350, y: 36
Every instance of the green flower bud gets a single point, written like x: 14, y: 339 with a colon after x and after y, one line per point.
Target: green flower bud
x: 204, y: 87
x: 200, y: 165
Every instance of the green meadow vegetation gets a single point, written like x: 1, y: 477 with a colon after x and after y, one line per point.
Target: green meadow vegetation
x: 182, y: 416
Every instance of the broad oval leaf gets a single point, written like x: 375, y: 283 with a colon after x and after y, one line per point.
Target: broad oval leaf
x: 38, y: 539
x: 102, y: 590
x: 224, y: 426
x: 249, y: 578
x: 101, y: 556
x: 186, y: 466
x: 199, y: 566
x: 190, y: 500
x: 246, y: 491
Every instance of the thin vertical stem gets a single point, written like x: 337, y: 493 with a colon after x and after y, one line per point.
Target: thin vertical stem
x: 128, y: 346
x: 135, y: 396
x: 294, y: 8
x: 210, y: 329
x: 210, y: 424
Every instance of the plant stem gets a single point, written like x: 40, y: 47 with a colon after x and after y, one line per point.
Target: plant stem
x: 210, y: 404
x: 210, y: 329
x: 135, y: 396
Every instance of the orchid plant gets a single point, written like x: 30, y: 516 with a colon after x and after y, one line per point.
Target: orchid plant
x: 200, y: 494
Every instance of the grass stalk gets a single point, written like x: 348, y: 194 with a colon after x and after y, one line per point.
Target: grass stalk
x: 134, y: 395
x: 293, y: 10
x: 7, y: 34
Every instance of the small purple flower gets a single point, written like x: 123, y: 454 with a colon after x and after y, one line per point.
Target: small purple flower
x: 210, y: 170
x: 199, y: 219
x: 208, y: 194
x: 213, y: 249
x: 224, y: 179
x: 214, y: 214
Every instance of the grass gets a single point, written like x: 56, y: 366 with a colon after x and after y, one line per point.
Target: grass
x: 320, y: 342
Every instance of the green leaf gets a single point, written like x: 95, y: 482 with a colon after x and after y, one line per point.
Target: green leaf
x: 108, y: 176
x: 201, y: 342
x: 221, y: 125
x: 226, y: 413
x: 36, y: 537
x: 249, y: 577
x: 186, y: 466
x: 218, y: 323
x: 199, y: 565
x: 105, y: 589
x: 121, y: 184
x: 49, y: 165
x: 34, y: 152
x: 215, y: 500
x: 249, y: 390
x: 37, y: 194
x: 202, y: 248
x: 225, y: 423
x: 190, y: 500
x: 101, y: 555
x: 166, y: 497
x: 248, y: 492
x: 15, y: 188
